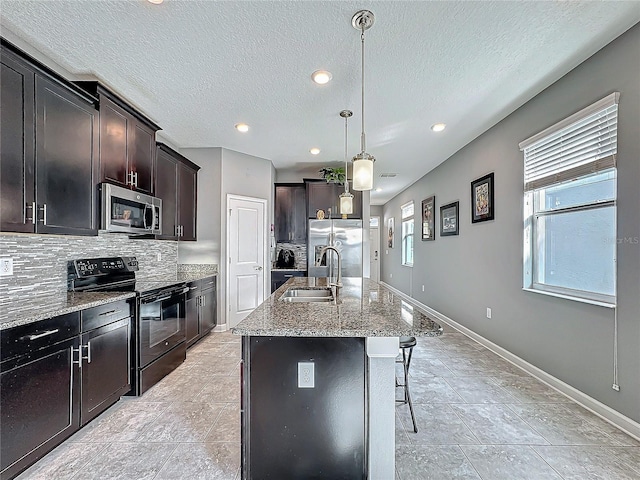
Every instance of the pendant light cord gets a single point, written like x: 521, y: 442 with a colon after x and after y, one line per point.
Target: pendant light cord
x: 346, y: 162
x: 362, y: 137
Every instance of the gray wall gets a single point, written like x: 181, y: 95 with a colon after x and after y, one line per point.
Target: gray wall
x: 224, y: 172
x: 482, y: 267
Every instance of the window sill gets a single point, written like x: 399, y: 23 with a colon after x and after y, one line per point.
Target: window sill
x: 569, y: 297
x: 407, y: 265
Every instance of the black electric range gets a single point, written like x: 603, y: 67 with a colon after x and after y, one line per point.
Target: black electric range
x: 158, y: 332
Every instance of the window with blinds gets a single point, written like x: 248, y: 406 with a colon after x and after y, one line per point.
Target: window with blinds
x: 570, y: 206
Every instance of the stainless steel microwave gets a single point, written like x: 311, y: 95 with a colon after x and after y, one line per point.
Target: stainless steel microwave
x: 128, y: 211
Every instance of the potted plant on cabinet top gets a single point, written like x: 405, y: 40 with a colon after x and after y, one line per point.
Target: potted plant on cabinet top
x: 333, y: 175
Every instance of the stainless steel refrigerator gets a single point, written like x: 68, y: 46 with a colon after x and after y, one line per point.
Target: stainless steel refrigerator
x: 346, y: 236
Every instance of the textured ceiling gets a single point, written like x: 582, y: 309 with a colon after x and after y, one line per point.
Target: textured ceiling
x: 199, y: 67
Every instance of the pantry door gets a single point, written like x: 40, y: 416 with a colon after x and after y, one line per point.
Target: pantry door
x: 246, y: 252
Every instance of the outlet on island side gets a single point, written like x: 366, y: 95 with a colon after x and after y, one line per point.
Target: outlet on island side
x: 159, y: 257
x: 306, y: 375
x: 488, y: 312
x: 423, y: 288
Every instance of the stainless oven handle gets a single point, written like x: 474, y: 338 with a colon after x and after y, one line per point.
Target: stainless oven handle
x: 40, y: 335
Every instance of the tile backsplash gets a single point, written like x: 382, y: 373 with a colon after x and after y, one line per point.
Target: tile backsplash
x: 299, y: 251
x: 40, y: 261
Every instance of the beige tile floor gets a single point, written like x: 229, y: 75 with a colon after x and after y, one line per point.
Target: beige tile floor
x: 479, y: 417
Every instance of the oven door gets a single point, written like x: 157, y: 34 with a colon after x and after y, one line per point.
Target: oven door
x: 161, y: 324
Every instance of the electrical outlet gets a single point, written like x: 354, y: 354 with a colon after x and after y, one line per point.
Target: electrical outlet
x: 159, y: 256
x: 423, y: 288
x: 488, y: 312
x: 391, y: 275
x: 6, y: 267
x: 306, y: 375
x: 386, y: 252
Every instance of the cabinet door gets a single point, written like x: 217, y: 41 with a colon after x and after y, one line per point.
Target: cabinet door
x: 39, y: 405
x: 114, y: 132
x: 66, y: 161
x: 207, y: 311
x: 322, y: 196
x: 142, y: 150
x: 299, y: 219
x: 106, y: 373
x: 283, y: 213
x: 16, y: 145
x: 192, y: 320
x: 187, y: 201
x: 167, y: 190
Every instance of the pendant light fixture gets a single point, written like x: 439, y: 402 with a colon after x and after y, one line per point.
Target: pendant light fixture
x: 346, y: 198
x: 363, y: 162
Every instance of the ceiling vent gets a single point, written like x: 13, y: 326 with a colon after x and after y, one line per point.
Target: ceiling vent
x: 388, y: 175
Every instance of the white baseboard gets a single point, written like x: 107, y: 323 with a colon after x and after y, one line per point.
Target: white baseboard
x: 605, y: 412
x: 223, y: 327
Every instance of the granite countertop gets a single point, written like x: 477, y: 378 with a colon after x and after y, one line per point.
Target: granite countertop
x: 41, y: 308
x: 363, y: 309
x: 169, y: 280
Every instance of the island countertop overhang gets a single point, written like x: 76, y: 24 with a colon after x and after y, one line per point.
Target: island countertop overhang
x: 363, y: 309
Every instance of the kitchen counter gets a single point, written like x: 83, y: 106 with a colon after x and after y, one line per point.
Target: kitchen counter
x: 363, y: 309
x: 41, y: 308
x: 318, y: 395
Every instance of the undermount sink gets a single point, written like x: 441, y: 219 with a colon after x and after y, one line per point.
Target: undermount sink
x: 307, y: 295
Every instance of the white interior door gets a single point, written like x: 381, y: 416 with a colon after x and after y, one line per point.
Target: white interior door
x: 374, y: 254
x: 246, y: 251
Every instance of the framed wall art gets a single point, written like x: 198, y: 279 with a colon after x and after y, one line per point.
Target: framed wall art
x: 390, y: 232
x: 482, y: 208
x: 429, y: 218
x: 449, y: 219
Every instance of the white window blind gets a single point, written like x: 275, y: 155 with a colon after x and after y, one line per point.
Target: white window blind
x: 583, y: 143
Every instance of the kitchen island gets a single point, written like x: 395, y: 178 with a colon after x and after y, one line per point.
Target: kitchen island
x: 318, y: 381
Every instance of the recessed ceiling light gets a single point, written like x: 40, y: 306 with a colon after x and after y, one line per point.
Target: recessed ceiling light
x: 242, y: 127
x: 321, y: 77
x: 378, y: 189
x: 155, y: 2
x: 438, y: 127
x: 314, y: 151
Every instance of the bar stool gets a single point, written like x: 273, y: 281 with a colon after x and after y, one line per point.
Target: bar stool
x: 407, y: 343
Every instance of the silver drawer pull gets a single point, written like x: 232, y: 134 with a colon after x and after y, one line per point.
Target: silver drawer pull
x: 193, y: 288
x: 288, y: 276
x: 107, y: 313
x: 43, y: 334
x: 88, y: 347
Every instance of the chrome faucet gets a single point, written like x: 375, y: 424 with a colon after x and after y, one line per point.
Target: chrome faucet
x: 323, y: 252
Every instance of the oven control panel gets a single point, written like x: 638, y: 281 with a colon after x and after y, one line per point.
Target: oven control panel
x: 90, y: 267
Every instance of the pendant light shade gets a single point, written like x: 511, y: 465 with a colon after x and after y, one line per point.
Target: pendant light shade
x: 346, y: 198
x: 363, y: 162
x: 363, y: 171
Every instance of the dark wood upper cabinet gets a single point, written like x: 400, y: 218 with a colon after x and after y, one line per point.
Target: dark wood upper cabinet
x: 176, y: 184
x: 17, y: 143
x: 66, y: 161
x: 290, y: 214
x: 322, y: 196
x: 49, y: 154
x: 127, y: 141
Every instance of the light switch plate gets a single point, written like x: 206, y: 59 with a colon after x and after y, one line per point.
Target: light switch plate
x: 306, y: 375
x: 6, y: 267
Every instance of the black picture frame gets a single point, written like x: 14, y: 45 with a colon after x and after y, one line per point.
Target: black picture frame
x: 429, y: 219
x: 482, y: 203
x: 449, y: 219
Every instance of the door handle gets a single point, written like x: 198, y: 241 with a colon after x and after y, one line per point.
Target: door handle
x: 257, y: 268
x: 33, y: 213
x: 88, y: 347
x: 44, y: 213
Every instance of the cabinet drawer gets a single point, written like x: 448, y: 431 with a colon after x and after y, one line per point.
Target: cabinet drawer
x: 35, y: 336
x: 104, y: 314
x: 208, y: 283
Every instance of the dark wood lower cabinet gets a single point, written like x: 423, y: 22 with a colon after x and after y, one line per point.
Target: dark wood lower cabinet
x: 40, y: 398
x: 106, y: 369
x: 54, y: 379
x: 279, y: 277
x: 201, y: 306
